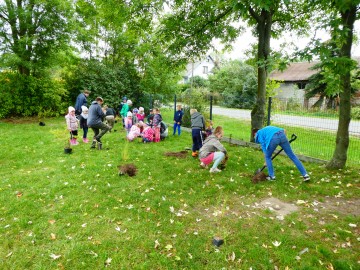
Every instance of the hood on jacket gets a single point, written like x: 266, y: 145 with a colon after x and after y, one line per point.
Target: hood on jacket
x: 195, y: 115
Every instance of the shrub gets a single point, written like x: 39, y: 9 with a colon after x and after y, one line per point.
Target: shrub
x: 197, y: 99
x: 22, y: 95
x: 355, y: 113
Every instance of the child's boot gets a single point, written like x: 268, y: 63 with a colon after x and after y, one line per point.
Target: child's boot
x: 75, y: 141
x: 85, y: 140
x: 93, y: 145
x: 194, y: 154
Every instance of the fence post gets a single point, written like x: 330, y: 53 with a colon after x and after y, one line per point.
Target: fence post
x: 211, y: 102
x: 269, y: 111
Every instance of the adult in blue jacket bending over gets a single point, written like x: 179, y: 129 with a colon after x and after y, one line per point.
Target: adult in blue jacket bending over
x: 269, y: 138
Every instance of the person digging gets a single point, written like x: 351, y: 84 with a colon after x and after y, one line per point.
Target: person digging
x: 269, y: 138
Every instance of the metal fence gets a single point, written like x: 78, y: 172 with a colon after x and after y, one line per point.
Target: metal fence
x: 313, y: 122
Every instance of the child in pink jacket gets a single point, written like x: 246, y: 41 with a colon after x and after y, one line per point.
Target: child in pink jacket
x: 72, y: 125
x: 148, y: 134
x: 134, y: 132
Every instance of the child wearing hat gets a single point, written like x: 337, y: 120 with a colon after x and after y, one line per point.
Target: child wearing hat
x: 83, y: 122
x: 128, y: 122
x: 141, y: 115
x: 72, y: 125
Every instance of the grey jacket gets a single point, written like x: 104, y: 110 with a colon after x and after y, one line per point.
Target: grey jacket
x: 210, y: 145
x: 197, y: 120
x: 96, y: 114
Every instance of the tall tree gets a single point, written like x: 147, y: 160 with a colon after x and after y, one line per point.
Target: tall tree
x: 31, y: 31
x: 192, y: 25
x: 348, y: 13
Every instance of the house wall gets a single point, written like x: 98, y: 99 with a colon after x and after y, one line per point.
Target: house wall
x: 197, y: 69
x: 290, y: 90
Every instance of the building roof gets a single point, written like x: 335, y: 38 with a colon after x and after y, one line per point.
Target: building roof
x: 295, y: 72
x: 298, y: 72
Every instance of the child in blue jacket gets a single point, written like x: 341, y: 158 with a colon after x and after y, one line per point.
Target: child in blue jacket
x: 177, y: 119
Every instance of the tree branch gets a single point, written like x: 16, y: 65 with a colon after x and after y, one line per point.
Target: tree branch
x: 220, y: 16
x: 254, y: 14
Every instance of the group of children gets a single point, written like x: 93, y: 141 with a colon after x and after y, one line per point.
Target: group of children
x: 134, y: 123
x: 136, y: 127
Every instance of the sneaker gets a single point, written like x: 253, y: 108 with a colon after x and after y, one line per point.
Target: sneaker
x: 85, y: 140
x: 270, y: 178
x: 203, y: 165
x: 306, y: 177
x: 214, y: 170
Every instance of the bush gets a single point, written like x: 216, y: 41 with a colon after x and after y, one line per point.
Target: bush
x: 195, y: 99
x: 355, y: 113
x: 22, y: 95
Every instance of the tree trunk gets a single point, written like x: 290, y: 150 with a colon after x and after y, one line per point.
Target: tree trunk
x: 339, y: 158
x: 264, y: 22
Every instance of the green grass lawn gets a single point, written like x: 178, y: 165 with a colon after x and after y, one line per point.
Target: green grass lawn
x: 61, y: 211
x: 313, y: 143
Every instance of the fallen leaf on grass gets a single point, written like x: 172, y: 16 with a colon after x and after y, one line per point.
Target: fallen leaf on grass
x: 107, y: 262
x: 352, y: 225
x: 51, y: 221
x: 93, y: 253
x: 9, y: 255
x: 19, y: 194
x: 54, y: 256
x: 276, y: 243
x: 232, y: 257
x: 52, y: 236
x: 168, y: 247
x: 157, y: 244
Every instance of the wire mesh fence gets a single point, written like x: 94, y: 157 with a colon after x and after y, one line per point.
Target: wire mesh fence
x: 315, y: 124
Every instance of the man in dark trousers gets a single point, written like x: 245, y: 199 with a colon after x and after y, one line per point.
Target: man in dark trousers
x: 81, y: 100
x: 95, y: 121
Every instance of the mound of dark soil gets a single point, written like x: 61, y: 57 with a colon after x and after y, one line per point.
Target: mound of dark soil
x: 129, y: 169
x: 181, y: 154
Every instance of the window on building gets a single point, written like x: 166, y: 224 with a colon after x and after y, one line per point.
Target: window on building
x: 301, y: 85
x: 205, y: 70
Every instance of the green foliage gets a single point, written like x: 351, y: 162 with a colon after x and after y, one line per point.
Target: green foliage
x: 271, y: 87
x: 22, y: 95
x: 236, y: 82
x: 32, y: 32
x: 194, y: 99
x: 355, y: 113
x: 105, y: 80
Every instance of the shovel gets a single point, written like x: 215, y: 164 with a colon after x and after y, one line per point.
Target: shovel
x: 293, y: 138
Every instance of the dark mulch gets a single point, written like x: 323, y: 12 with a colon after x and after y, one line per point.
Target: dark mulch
x: 181, y: 154
x: 129, y: 169
x: 259, y: 177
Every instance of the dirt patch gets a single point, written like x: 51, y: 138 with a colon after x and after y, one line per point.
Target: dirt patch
x: 259, y: 177
x: 181, y: 154
x: 280, y: 208
x: 340, y: 205
x: 129, y: 169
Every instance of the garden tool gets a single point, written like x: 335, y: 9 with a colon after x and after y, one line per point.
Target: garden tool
x: 293, y: 138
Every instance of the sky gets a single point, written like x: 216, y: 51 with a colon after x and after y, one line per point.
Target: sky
x: 244, y: 42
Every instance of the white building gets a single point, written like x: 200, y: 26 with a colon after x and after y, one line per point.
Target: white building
x: 201, y: 68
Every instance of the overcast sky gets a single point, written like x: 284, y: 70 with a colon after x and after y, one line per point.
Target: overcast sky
x: 244, y: 41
